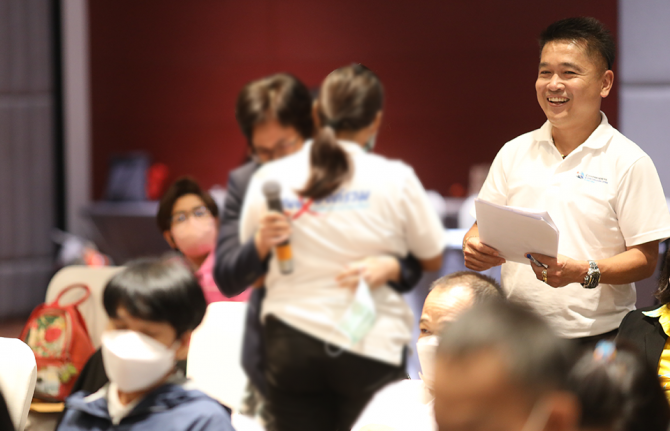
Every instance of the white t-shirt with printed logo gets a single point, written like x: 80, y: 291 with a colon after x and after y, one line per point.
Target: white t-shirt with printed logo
x: 382, y: 210
x: 604, y: 196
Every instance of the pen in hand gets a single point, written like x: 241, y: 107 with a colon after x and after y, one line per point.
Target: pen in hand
x: 536, y: 262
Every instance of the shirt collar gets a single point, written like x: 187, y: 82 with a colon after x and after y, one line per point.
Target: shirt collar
x: 596, y: 140
x: 663, y: 315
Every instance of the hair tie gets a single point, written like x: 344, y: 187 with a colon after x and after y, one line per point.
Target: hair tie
x: 605, y: 351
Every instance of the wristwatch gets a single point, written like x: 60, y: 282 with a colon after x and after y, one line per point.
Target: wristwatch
x: 592, y: 278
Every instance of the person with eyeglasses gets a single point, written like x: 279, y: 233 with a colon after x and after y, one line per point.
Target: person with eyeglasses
x: 188, y: 219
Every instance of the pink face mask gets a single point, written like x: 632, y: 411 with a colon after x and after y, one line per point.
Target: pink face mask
x: 196, y: 236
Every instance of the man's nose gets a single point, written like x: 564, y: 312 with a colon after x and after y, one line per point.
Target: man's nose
x: 555, y: 83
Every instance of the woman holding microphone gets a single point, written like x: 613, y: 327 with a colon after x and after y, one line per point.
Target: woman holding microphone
x: 329, y: 347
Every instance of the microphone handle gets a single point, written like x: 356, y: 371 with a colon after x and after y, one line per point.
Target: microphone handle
x: 283, y: 250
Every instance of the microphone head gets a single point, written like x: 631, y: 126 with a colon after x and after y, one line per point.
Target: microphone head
x: 271, y: 189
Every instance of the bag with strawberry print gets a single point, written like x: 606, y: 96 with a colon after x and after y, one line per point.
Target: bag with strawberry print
x: 59, y: 339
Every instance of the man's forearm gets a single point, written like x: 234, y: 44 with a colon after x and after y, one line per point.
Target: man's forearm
x: 634, y: 264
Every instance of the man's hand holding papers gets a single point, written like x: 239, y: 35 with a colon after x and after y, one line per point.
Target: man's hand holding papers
x: 479, y: 256
x: 561, y: 270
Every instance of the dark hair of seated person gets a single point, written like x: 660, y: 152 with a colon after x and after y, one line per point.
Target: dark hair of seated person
x: 181, y: 187
x: 618, y: 390
x: 159, y: 290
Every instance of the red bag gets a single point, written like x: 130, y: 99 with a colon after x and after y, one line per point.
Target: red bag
x: 59, y: 339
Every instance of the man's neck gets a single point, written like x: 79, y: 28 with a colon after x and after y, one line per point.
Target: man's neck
x: 568, y: 139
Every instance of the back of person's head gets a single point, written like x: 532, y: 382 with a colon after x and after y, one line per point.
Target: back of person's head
x: 281, y: 97
x: 663, y: 291
x: 157, y: 290
x: 589, y: 32
x: 537, y: 360
x: 350, y: 99
x: 618, y: 391
x: 483, y: 287
x: 181, y: 187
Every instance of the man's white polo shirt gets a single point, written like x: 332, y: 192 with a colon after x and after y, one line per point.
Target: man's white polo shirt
x: 382, y: 210
x: 603, y: 197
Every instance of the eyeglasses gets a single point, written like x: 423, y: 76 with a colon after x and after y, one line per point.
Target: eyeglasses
x: 182, y: 216
x: 279, y: 150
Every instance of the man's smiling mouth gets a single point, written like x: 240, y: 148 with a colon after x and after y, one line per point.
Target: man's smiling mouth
x: 557, y: 100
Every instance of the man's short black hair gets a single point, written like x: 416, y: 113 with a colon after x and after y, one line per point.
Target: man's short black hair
x: 589, y: 31
x: 183, y: 186
x: 537, y: 359
x: 158, y: 290
x: 281, y: 97
x: 483, y: 286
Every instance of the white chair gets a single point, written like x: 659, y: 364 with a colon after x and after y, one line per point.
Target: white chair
x: 92, y: 310
x: 215, y: 354
x: 18, y: 375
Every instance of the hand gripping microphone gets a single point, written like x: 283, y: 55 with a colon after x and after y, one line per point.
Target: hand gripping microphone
x: 272, y: 191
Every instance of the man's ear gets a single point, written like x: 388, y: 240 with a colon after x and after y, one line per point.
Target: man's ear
x: 608, y: 82
x: 565, y: 412
x: 168, y: 237
x: 185, y: 342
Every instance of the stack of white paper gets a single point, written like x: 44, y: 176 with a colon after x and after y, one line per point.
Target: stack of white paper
x: 516, y: 231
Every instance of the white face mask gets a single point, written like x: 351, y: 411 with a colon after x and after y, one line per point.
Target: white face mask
x: 359, y: 318
x: 195, y: 236
x: 426, y: 348
x: 135, y: 361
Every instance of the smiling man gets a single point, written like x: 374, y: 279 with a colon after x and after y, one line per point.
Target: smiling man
x: 601, y: 190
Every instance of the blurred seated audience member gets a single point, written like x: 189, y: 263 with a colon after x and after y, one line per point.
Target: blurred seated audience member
x: 648, y: 328
x: 188, y: 218
x: 618, y: 391
x: 153, y: 305
x: 408, y: 404
x: 500, y: 367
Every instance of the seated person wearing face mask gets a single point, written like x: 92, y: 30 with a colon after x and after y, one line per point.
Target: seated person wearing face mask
x: 408, y: 404
x: 188, y: 219
x: 153, y: 305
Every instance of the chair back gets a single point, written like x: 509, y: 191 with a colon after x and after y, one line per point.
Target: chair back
x: 215, y: 354
x: 18, y: 374
x: 92, y: 310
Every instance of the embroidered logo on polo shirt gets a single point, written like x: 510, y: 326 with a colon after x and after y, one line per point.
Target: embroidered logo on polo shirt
x: 591, y: 178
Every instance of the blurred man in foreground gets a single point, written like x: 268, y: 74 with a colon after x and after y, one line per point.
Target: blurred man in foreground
x: 500, y: 367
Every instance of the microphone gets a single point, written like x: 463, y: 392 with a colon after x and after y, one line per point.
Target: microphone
x: 272, y: 190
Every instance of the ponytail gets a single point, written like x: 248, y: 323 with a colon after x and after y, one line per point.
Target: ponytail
x: 330, y: 166
x: 350, y: 99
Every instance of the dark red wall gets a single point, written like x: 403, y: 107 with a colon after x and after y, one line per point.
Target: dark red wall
x: 459, y: 76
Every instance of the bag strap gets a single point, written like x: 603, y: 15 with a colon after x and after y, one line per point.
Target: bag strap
x: 70, y: 287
